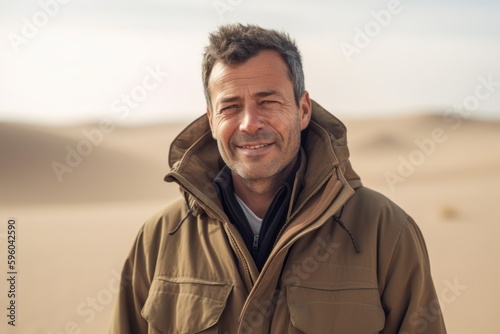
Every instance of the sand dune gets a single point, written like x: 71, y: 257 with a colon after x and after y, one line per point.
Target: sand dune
x: 74, y: 235
x: 127, y: 164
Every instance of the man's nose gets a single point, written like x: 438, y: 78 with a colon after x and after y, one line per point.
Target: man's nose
x: 252, y: 120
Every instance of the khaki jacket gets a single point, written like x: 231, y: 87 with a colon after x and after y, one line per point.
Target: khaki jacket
x: 190, y: 271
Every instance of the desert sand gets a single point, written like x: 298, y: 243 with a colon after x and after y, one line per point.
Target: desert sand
x: 75, y: 231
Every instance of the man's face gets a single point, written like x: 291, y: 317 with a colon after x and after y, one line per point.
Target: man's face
x: 254, y: 117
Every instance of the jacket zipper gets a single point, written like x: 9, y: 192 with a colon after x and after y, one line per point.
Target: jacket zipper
x: 242, y: 258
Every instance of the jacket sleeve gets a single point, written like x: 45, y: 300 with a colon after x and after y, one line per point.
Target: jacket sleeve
x: 134, y: 288
x: 409, y: 297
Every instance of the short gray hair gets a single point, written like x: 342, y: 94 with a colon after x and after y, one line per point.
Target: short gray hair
x: 236, y: 43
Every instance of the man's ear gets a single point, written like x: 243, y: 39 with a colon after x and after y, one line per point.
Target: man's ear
x: 209, y: 116
x: 305, y: 110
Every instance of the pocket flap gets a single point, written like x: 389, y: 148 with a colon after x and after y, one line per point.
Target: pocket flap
x: 185, y: 307
x: 335, y: 311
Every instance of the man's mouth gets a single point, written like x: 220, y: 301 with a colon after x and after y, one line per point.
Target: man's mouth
x: 253, y: 147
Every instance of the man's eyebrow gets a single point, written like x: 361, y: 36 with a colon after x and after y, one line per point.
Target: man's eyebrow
x: 267, y: 93
x: 228, y: 99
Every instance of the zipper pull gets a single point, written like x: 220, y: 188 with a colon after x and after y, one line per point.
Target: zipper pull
x: 255, y: 243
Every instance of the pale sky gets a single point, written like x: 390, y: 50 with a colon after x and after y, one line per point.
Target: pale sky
x: 64, y: 61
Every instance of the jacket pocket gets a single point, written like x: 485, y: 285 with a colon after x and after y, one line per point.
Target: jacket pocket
x: 345, y: 310
x: 192, y: 306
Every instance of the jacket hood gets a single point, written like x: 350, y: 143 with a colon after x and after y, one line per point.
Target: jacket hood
x: 198, y: 135
x: 337, y: 132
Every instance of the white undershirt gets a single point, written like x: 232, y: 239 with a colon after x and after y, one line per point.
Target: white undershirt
x: 255, y: 222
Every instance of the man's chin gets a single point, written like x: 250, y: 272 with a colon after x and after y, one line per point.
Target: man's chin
x: 251, y: 174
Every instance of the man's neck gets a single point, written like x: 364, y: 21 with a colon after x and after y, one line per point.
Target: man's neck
x: 258, y: 194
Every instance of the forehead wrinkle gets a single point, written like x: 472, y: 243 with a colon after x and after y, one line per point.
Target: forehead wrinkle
x: 236, y: 88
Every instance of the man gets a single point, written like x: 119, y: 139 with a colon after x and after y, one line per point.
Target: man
x: 274, y: 232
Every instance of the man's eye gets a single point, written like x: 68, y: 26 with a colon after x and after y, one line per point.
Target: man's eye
x: 268, y: 102
x: 229, y: 108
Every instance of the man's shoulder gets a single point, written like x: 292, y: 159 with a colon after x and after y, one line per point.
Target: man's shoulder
x: 377, y: 220
x: 377, y: 208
